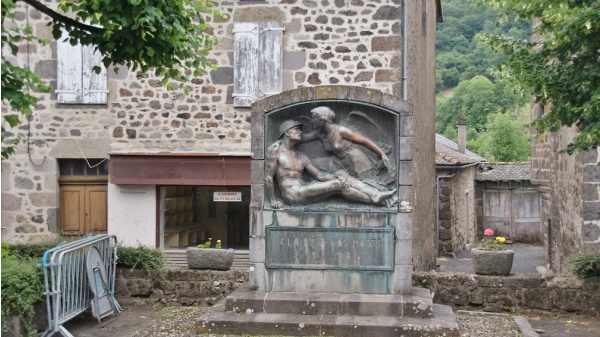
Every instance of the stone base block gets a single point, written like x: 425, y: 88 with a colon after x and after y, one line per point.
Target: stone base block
x: 327, y: 314
x: 223, y: 322
x: 418, y: 304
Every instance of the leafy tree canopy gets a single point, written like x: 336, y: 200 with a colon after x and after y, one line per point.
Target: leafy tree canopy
x: 561, y: 67
x: 167, y: 37
x: 504, y: 139
x: 459, y: 54
x: 475, y: 99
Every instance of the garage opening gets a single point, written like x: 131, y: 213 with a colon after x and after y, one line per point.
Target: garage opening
x: 190, y: 215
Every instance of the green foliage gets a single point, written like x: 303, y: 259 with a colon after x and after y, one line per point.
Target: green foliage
x: 22, y: 287
x: 32, y: 251
x: 561, y: 69
x: 170, y: 38
x: 141, y: 257
x: 17, y: 82
x: 587, y: 266
x: 475, y: 99
x: 206, y: 244
x: 490, y: 244
x: 505, y: 139
x: 460, y: 56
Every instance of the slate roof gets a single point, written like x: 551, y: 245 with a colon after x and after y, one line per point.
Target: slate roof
x: 447, y: 154
x: 503, y: 171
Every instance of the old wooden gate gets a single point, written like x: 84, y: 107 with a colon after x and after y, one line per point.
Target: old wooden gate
x: 514, y: 214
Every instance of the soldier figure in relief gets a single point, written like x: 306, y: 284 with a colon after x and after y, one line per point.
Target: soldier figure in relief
x: 287, y: 165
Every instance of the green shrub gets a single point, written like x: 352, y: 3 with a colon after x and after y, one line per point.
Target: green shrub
x: 22, y: 288
x: 141, y: 257
x: 34, y: 251
x: 587, y: 266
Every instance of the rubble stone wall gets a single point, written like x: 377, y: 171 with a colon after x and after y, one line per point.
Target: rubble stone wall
x: 570, y: 191
x: 510, y: 293
x: 356, y: 43
x: 489, y: 293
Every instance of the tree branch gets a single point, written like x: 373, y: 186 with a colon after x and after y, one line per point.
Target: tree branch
x: 61, y: 18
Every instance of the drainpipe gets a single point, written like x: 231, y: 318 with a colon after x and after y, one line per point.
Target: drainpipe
x: 404, y: 49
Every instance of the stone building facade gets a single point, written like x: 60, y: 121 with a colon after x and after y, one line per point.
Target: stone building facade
x: 456, y: 205
x: 570, y: 189
x: 324, y: 42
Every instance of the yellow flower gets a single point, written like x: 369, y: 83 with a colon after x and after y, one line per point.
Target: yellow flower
x: 501, y: 239
x: 218, y: 241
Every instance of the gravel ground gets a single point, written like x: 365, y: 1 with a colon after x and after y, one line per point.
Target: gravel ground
x: 181, y: 322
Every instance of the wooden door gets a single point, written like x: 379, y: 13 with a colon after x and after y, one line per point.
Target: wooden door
x: 496, y: 209
x: 514, y: 214
x: 83, y: 209
x: 527, y: 225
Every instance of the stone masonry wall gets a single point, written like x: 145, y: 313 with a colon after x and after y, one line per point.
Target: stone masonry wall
x: 349, y: 42
x: 445, y: 217
x: 489, y: 293
x: 421, y: 25
x: 177, y: 286
x: 569, y: 186
x: 510, y: 293
x: 457, y: 228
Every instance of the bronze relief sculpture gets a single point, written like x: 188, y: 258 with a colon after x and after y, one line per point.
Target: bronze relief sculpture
x: 356, y: 167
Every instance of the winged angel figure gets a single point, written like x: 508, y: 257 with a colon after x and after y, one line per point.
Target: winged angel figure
x: 361, y: 153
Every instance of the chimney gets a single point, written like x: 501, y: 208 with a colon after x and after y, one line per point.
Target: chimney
x: 462, y: 134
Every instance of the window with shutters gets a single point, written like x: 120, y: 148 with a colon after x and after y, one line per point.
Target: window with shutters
x: 258, y: 53
x: 77, y: 82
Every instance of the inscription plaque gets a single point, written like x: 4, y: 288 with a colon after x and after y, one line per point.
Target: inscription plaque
x: 330, y: 248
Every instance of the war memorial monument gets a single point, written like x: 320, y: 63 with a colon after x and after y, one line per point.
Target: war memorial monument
x: 330, y: 238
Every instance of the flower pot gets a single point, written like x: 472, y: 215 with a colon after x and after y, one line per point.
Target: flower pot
x: 492, y: 262
x: 209, y: 258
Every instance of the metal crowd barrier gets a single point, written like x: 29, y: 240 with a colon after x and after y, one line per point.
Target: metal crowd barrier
x: 68, y: 291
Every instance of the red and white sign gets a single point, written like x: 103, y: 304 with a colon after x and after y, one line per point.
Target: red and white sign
x: 227, y: 196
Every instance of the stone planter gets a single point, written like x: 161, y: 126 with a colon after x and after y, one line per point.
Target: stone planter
x: 209, y: 258
x: 492, y: 262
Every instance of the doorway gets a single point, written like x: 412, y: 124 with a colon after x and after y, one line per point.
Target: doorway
x: 514, y: 214
x: 83, y: 196
x: 190, y: 215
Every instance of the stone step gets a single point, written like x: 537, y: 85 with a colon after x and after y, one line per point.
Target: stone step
x: 219, y: 321
x: 418, y: 304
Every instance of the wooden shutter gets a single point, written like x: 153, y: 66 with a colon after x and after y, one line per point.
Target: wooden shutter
x: 258, y: 55
x: 69, y: 65
x: 77, y: 82
x: 95, y: 86
x: 245, y: 63
x: 270, y: 58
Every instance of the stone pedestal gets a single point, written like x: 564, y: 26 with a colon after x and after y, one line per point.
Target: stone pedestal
x: 306, y: 314
x: 333, y: 252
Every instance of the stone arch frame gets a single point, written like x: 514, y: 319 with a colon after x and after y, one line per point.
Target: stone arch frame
x: 267, y: 112
x: 274, y: 270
